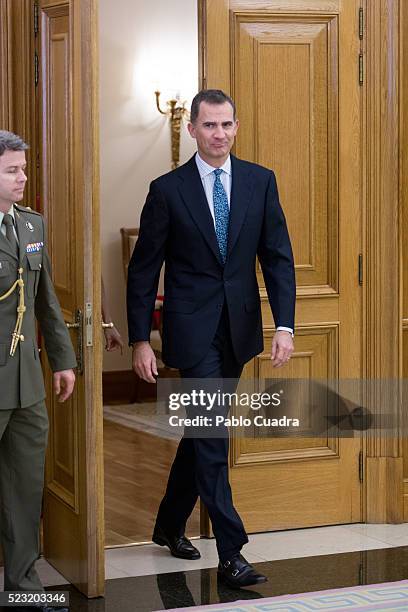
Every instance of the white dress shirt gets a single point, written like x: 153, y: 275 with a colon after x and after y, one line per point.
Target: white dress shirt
x: 208, y: 178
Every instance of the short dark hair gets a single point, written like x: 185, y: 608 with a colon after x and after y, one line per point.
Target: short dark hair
x: 211, y: 96
x: 11, y: 142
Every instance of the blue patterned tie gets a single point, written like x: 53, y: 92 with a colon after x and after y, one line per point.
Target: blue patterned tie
x: 221, y: 214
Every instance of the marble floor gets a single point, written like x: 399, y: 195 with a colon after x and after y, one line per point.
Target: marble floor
x: 146, y: 578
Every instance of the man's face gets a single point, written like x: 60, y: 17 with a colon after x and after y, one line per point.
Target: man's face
x: 214, y: 131
x: 12, y: 178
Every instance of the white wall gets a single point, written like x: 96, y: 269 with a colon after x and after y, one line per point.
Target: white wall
x: 143, y: 46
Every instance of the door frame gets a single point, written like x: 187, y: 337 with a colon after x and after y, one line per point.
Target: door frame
x: 382, y: 257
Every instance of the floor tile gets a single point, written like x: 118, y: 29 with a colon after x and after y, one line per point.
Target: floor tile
x: 112, y: 573
x: 394, y: 535
x: 309, y: 542
x: 152, y: 559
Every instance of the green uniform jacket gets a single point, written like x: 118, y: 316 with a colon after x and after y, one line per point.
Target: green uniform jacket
x: 21, y: 379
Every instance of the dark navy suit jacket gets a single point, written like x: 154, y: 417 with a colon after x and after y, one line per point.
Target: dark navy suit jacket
x: 177, y: 228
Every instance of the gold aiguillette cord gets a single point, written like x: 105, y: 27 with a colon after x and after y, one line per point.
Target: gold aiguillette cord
x: 16, y: 335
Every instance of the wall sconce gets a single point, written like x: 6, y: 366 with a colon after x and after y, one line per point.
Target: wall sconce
x: 175, y: 112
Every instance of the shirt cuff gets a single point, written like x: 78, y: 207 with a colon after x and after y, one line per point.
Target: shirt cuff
x: 287, y: 329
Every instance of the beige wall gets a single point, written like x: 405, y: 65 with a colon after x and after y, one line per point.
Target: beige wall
x: 143, y: 46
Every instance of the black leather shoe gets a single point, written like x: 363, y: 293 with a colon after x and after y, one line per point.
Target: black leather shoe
x: 179, y: 546
x: 237, y: 573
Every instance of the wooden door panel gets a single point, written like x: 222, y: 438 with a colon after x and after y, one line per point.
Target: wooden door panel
x: 73, y: 516
x: 56, y: 62
x: 291, y: 68
x: 56, y: 200
x: 313, y: 363
x: 302, y: 100
x: 296, y: 493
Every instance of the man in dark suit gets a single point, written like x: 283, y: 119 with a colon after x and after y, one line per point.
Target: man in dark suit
x: 208, y: 221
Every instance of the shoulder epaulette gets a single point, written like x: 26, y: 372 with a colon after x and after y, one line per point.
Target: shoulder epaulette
x: 26, y: 209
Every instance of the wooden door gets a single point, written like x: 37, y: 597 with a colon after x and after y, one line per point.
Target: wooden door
x: 404, y: 233
x: 292, y: 68
x: 68, y: 127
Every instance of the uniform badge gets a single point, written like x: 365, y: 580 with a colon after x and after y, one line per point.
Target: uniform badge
x: 29, y: 226
x: 34, y: 247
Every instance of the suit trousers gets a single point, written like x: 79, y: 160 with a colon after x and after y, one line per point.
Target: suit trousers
x: 23, y: 442
x: 200, y: 468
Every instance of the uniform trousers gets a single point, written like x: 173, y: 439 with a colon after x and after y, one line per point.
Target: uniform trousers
x: 23, y: 442
x: 200, y: 468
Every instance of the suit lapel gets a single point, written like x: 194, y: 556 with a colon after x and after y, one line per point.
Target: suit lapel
x: 194, y: 198
x: 193, y: 194
x: 241, y: 194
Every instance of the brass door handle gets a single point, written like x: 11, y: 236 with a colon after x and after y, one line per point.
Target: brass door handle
x: 72, y: 325
x: 107, y: 325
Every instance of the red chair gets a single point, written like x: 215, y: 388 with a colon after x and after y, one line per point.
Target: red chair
x: 129, y: 238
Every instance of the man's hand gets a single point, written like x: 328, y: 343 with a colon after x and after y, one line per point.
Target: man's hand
x: 144, y: 361
x: 64, y: 382
x: 282, y: 348
x: 113, y: 339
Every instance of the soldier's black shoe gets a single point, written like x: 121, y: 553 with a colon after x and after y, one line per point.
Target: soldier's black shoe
x: 237, y: 573
x: 179, y: 546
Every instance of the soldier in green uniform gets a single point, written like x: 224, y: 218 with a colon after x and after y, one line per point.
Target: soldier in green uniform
x: 26, y: 294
